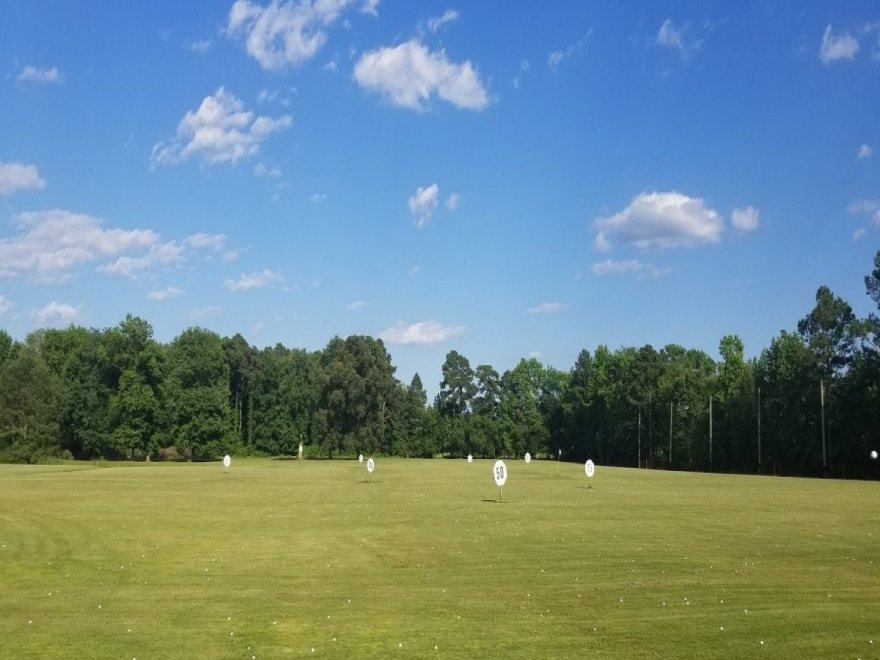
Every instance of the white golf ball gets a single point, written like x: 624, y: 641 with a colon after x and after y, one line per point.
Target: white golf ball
x: 873, y: 454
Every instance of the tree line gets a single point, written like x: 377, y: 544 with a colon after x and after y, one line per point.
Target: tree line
x: 808, y: 405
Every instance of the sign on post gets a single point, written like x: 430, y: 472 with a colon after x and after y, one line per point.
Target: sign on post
x: 227, y: 461
x: 590, y: 469
x: 499, y: 471
x: 371, y: 465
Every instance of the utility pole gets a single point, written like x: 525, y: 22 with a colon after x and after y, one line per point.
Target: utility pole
x: 759, y: 430
x: 640, y: 437
x: 710, y: 433
x: 822, y: 414
x: 670, y: 435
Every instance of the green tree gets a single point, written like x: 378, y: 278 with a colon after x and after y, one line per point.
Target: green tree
x: 357, y: 385
x: 198, y: 395
x: 29, y: 429
x: 454, y: 401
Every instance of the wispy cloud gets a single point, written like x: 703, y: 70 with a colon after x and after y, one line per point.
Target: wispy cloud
x: 18, y: 176
x: 660, y: 220
x: 628, y: 266
x: 5, y: 304
x: 546, y: 308
x: 423, y: 333
x: 745, y: 219
x: 202, y: 314
x: 220, y: 130
x: 556, y: 57
x: 263, y: 170
x: 285, y: 34
x: 370, y: 7
x: 57, y: 314
x: 356, y: 305
x: 423, y: 203
x: 50, y: 76
x: 869, y: 208
x: 679, y: 38
x: 256, y: 280
x: 202, y: 46
x: 437, y: 22
x: 865, y: 151
x: 165, y: 294
x: 452, y: 201
x: 835, y: 47
x: 409, y: 75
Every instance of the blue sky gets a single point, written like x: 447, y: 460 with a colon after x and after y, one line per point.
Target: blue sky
x: 507, y: 179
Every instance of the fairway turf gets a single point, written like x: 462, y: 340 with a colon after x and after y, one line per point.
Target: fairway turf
x: 277, y: 558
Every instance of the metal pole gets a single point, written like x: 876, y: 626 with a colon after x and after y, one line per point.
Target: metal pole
x: 640, y: 437
x: 670, y: 435
x: 822, y: 412
x: 759, y: 430
x: 710, y: 433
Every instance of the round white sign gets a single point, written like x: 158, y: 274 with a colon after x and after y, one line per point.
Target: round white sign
x: 360, y: 458
x: 371, y: 465
x: 470, y: 458
x: 227, y: 461
x: 874, y: 454
x: 499, y: 471
x: 528, y: 458
x: 589, y: 468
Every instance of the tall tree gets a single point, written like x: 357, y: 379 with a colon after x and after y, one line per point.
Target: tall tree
x: 829, y: 331
x: 198, y: 394
x: 29, y: 411
x: 357, y: 386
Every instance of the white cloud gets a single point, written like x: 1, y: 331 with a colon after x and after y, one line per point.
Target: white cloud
x: 859, y: 233
x: 370, y: 7
x: 546, y: 308
x: 202, y: 241
x: 745, y: 219
x: 44, y: 76
x: 229, y: 256
x: 837, y: 46
x: 204, y: 313
x: 869, y: 208
x: 662, y: 220
x: 524, y: 67
x: 437, y: 22
x: 5, y: 304
x: 51, y: 243
x: 221, y: 130
x: 423, y: 333
x: 452, y: 201
x: 423, y: 203
x: 48, y: 245
x: 628, y: 266
x: 17, y: 176
x: 318, y: 197
x: 414, y: 271
x: 285, y: 34
x: 676, y: 37
x: 202, y: 46
x: 865, y: 151
x: 555, y: 58
x: 261, y: 170
x: 356, y: 305
x: 56, y: 314
x: 256, y: 280
x: 165, y: 294
x: 409, y: 75
x: 159, y: 254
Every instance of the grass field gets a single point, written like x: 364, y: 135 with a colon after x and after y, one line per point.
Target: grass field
x: 308, y: 559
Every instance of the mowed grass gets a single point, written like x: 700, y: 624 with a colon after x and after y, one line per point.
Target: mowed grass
x: 309, y: 559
